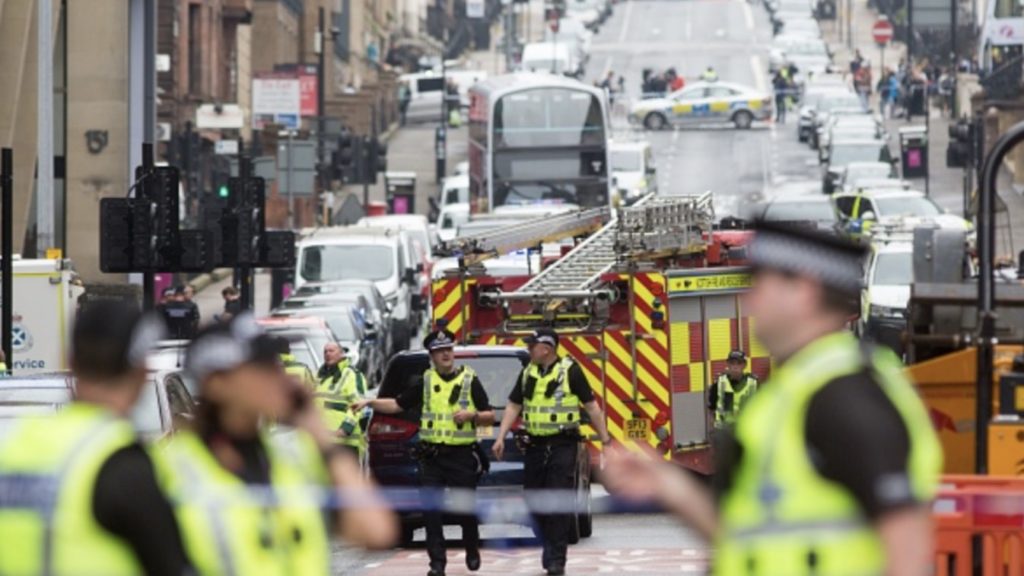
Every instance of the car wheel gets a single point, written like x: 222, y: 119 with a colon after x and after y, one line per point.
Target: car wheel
x: 743, y: 119
x: 585, y: 518
x: 655, y: 121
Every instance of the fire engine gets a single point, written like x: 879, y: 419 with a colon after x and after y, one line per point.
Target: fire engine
x: 646, y: 302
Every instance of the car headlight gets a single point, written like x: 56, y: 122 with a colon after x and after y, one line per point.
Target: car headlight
x: 888, y: 312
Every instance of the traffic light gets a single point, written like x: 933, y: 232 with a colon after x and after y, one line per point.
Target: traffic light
x: 959, y: 152
x: 378, y: 157
x: 278, y: 249
x: 223, y: 191
x: 344, y: 157
x: 116, y: 215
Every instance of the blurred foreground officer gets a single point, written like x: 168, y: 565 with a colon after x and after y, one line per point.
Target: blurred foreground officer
x: 732, y: 390
x: 832, y: 464
x: 341, y: 386
x: 454, y: 403
x: 78, y: 494
x: 251, y: 502
x: 549, y: 394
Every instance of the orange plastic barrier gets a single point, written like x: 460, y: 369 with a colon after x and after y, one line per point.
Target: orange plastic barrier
x: 989, y: 507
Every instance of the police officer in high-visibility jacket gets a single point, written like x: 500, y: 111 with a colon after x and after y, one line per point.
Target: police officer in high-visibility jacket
x: 250, y: 502
x: 731, y: 390
x: 341, y: 385
x: 292, y: 367
x: 453, y: 404
x: 832, y: 465
x: 549, y: 394
x: 78, y: 493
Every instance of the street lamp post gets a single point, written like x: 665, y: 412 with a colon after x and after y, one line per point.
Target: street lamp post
x: 321, y: 125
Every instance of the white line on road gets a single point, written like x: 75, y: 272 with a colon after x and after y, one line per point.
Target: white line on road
x: 625, y: 22
x: 758, y: 69
x: 748, y: 15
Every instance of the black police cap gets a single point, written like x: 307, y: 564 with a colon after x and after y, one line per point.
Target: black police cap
x: 543, y: 336
x: 439, y: 339
x: 836, y: 262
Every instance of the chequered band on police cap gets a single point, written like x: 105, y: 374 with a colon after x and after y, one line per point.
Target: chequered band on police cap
x: 833, y: 265
x: 223, y: 351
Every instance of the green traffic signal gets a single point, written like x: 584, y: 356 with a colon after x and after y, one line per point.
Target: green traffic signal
x: 223, y: 191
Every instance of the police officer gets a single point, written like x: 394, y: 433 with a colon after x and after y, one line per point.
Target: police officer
x: 78, y: 494
x: 453, y: 403
x: 292, y: 367
x: 549, y: 393
x: 181, y: 315
x: 341, y: 385
x: 709, y: 74
x: 832, y: 464
x: 249, y: 502
x: 732, y: 389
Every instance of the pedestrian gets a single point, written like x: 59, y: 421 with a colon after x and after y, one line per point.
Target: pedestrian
x: 781, y: 86
x: 862, y: 84
x: 832, y: 465
x: 884, y: 91
x: 894, y: 95
x: 731, y: 391
x: 250, y: 502
x: 709, y: 74
x: 340, y: 386
x: 856, y: 62
x: 189, y: 293
x: 232, y: 304
x: 453, y: 404
x: 549, y: 393
x: 295, y: 369
x: 181, y: 316
x: 78, y: 492
x: 404, y: 98
x: 946, y: 83
x: 675, y: 81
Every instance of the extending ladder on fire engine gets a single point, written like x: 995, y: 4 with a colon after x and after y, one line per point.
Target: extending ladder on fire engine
x: 654, y: 226
x: 478, y: 247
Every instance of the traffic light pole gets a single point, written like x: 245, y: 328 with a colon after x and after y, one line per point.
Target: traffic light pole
x: 245, y: 272
x: 148, y: 284
x: 7, y: 250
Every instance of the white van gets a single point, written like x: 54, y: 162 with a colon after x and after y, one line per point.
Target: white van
x: 455, y: 190
x: 550, y: 57
x: 634, y: 174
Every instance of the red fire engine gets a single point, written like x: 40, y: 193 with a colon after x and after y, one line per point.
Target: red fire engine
x: 647, y: 304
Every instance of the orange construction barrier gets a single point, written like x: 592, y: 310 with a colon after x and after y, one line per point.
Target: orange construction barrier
x: 991, y: 508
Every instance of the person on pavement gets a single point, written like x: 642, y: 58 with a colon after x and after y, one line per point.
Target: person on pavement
x: 453, y: 404
x: 780, y: 83
x: 340, y: 386
x: 98, y: 508
x: 254, y: 502
x: 731, y: 390
x: 803, y: 484
x: 549, y: 394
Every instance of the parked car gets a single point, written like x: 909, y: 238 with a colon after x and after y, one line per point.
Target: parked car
x: 364, y: 345
x: 857, y: 171
x: 812, y: 98
x: 894, y: 207
x: 814, y: 210
x: 551, y: 57
x: 829, y: 105
x: 372, y: 304
x: 703, y: 103
x: 375, y: 254
x: 164, y: 404
x: 306, y: 337
x: 844, y: 152
x: 884, y: 300
x: 392, y: 437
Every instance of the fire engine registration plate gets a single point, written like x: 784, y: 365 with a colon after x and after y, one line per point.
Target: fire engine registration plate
x: 638, y: 429
x: 485, y: 431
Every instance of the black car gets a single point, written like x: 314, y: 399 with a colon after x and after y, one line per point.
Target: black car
x: 392, y: 437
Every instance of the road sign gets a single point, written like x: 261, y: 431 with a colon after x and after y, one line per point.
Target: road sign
x: 225, y: 147
x: 882, y: 31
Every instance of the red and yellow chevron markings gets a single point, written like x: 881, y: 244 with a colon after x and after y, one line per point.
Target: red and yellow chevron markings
x: 447, y: 299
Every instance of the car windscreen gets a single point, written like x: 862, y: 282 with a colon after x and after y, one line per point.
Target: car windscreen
x: 894, y: 269
x: 626, y: 160
x: 347, y: 261
x: 497, y: 374
x: 868, y: 171
x: 835, y: 102
x: 843, y: 154
x: 340, y: 322
x: 816, y: 211
x: 146, y: 415
x: 906, y: 206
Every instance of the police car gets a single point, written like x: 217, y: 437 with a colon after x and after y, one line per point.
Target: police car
x: 906, y: 209
x: 704, y: 103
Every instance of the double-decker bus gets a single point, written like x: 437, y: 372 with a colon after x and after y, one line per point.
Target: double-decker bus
x: 537, y: 139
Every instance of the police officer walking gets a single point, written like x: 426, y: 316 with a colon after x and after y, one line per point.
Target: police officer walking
x: 549, y: 394
x: 832, y: 465
x: 254, y: 503
x: 78, y: 493
x: 453, y: 403
x: 731, y: 390
x: 342, y: 385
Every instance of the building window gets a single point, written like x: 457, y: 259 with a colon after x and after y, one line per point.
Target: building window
x: 1009, y: 9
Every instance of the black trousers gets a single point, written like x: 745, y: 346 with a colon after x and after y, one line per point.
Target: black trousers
x: 453, y: 467
x: 551, y: 465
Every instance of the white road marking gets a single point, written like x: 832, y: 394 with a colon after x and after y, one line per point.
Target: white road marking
x: 625, y: 22
x: 748, y: 15
x: 758, y: 69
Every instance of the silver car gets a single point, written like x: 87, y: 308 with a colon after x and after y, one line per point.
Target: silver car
x: 704, y: 103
